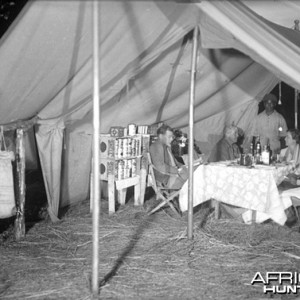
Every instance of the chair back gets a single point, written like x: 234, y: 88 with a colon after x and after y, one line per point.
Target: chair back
x: 151, y: 174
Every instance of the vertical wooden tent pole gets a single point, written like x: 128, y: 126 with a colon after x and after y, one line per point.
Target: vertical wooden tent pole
x: 96, y: 152
x: 191, y: 134
x: 296, y: 108
x: 20, y: 163
x: 296, y: 91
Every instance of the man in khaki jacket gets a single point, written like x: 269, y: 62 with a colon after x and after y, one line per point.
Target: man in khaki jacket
x: 169, y: 172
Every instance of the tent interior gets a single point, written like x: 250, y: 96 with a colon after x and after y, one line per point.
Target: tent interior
x: 145, y: 57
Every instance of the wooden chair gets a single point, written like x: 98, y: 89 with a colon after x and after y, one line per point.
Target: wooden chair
x: 165, y: 194
x: 294, y: 195
x: 296, y: 203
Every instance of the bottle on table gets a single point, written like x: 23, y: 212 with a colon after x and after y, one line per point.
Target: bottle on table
x: 265, y: 156
x: 258, y: 150
x: 270, y: 151
x: 252, y: 149
x: 258, y: 145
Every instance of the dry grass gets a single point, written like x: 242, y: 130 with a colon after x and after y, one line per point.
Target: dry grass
x: 145, y: 257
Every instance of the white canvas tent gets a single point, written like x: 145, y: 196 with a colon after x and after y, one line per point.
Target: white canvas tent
x: 46, y: 70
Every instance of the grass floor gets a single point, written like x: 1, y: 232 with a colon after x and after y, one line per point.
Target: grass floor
x: 145, y: 257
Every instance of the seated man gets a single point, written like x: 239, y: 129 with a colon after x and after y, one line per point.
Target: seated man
x: 226, y: 148
x: 170, y: 173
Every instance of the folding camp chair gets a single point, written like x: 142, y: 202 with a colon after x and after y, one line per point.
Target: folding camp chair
x: 294, y: 195
x: 296, y: 204
x: 165, y: 194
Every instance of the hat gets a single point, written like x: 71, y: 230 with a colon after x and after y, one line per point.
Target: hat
x: 271, y: 97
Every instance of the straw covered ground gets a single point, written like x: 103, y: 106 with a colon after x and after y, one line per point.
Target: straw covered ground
x: 145, y: 257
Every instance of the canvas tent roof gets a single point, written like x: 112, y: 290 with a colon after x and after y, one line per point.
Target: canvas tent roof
x: 234, y: 25
x: 46, y: 63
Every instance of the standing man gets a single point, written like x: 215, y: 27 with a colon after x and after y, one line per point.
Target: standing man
x: 270, y: 125
x: 168, y: 171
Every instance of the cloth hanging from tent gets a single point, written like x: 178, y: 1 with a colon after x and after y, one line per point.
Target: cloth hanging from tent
x: 76, y: 167
x: 50, y: 144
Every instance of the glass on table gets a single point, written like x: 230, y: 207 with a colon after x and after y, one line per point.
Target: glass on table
x: 242, y: 159
x: 277, y: 158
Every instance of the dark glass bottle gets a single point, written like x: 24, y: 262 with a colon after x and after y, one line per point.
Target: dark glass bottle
x: 258, y: 146
x: 270, y: 151
x: 252, y: 149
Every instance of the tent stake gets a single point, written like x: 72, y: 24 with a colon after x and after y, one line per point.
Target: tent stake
x: 296, y: 91
x: 20, y: 163
x: 191, y: 134
x: 96, y: 152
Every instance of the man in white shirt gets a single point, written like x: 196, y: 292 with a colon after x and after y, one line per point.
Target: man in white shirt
x: 270, y: 125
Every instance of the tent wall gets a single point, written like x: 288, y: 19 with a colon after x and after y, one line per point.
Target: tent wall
x: 54, y: 37
x: 227, y: 83
x: 76, y: 167
x: 46, y: 63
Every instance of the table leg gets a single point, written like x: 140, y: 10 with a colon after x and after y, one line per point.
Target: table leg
x: 143, y: 178
x: 111, y: 194
x: 122, y: 196
x: 253, y: 219
x: 137, y: 195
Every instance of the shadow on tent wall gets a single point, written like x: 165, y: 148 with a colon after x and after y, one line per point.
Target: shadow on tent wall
x: 287, y: 107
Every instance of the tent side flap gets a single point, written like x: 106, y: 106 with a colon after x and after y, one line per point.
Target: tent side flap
x: 231, y: 24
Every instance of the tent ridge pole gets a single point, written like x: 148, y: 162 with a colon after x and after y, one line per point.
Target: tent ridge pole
x: 96, y: 150
x: 191, y: 133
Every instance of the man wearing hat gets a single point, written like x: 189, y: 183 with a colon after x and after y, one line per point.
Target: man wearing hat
x: 270, y: 125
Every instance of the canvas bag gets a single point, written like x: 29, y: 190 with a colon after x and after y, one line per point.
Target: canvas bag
x: 7, y: 195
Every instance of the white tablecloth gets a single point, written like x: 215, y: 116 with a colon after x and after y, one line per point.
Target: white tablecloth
x: 253, y: 189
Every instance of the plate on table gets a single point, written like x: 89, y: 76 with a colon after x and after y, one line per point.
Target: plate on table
x: 221, y: 163
x: 236, y: 165
x: 283, y: 164
x: 264, y: 167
